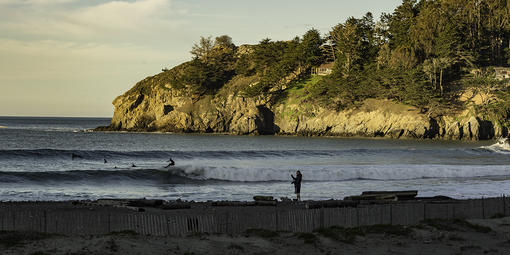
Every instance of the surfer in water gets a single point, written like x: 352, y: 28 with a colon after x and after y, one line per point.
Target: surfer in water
x: 172, y: 163
x: 297, y: 184
x: 73, y: 156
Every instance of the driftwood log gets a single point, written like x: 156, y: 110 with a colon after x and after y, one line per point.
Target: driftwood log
x: 385, y: 195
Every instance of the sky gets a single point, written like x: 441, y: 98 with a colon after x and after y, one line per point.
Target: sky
x: 73, y: 57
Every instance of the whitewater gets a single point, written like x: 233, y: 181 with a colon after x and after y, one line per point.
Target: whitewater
x: 61, y: 159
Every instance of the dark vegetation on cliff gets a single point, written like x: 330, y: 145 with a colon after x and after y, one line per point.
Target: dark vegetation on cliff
x: 426, y: 54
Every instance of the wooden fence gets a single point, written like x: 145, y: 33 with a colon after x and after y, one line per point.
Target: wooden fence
x: 236, y: 220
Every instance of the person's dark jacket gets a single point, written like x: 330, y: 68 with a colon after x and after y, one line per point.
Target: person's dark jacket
x: 297, y: 182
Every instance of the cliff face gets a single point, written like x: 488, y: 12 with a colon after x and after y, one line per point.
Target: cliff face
x: 152, y: 105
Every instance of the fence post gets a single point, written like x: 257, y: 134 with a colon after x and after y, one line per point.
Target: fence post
x: 424, y: 210
x: 357, y: 216
x: 45, y: 222
x: 322, y: 218
x: 227, y: 223
x: 504, y: 205
x: 483, y: 208
x: 276, y: 218
x: 109, y: 224
x: 391, y: 214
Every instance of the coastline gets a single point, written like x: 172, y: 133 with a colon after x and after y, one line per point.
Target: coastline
x: 103, y: 130
x: 445, y: 230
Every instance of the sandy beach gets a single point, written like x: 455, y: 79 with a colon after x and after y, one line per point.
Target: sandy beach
x: 450, y: 235
x: 488, y: 236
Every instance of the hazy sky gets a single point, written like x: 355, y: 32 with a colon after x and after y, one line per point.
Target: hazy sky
x: 73, y: 57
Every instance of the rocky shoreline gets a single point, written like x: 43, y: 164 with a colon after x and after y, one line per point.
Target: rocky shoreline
x: 165, y: 111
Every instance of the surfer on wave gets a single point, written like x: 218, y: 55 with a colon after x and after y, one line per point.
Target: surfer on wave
x: 172, y: 163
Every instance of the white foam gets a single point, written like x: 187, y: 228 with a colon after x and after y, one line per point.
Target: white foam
x: 501, y: 146
x: 347, y: 172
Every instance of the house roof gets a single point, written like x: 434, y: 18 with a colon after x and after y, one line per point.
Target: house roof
x: 326, y: 65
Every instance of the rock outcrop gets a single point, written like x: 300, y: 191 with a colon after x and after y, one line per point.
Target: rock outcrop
x: 154, y: 106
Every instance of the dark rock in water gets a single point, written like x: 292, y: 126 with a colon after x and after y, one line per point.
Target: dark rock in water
x: 104, y: 128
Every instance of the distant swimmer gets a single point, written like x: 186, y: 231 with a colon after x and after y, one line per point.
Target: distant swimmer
x: 172, y: 163
x: 105, y: 161
x: 133, y: 165
x: 73, y: 156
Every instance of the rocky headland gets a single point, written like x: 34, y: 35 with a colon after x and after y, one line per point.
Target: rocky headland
x: 154, y: 105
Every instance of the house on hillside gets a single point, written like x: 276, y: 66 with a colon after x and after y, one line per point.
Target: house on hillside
x: 502, y: 73
x: 324, y: 69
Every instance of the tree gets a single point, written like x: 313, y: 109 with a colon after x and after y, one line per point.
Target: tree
x: 426, y: 28
x: 328, y: 50
x: 400, y: 24
x: 212, y: 66
x: 309, y: 49
x: 355, y: 44
x: 203, y: 48
x: 224, y: 41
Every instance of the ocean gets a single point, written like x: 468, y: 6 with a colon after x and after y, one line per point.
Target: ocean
x: 37, y: 163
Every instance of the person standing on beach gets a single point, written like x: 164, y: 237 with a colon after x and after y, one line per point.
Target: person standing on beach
x: 297, y: 184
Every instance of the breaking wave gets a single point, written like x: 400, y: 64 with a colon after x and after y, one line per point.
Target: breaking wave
x: 212, y: 175
x: 502, y: 145
x: 227, y: 154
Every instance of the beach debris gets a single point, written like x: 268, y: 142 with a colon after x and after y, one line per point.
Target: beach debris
x: 158, y: 203
x: 175, y: 206
x: 385, y: 195
x: 139, y: 204
x: 145, y: 202
x: 330, y: 204
x: 436, y: 198
x: 263, y: 198
x: 231, y: 203
x: 266, y: 203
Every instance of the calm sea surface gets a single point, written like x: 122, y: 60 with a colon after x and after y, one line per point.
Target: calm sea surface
x: 36, y: 163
